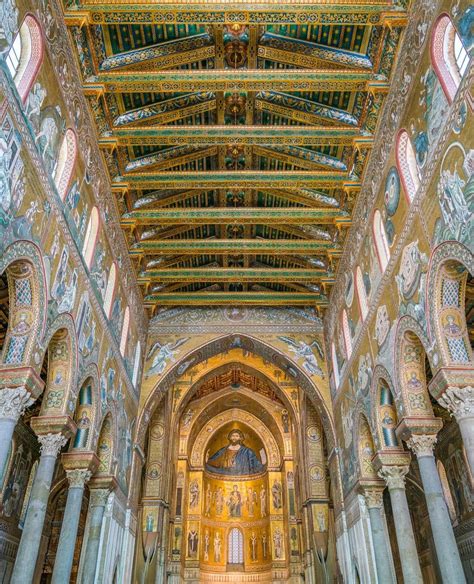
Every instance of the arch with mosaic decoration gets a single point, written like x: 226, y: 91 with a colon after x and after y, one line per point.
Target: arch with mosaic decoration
x: 23, y: 263
x: 450, y: 266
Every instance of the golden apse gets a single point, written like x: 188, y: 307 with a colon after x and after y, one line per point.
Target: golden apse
x: 242, y: 508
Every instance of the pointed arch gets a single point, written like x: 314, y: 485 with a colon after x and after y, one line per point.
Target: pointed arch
x: 387, y: 417
x: 65, y: 165
x: 407, y: 165
x: 451, y: 265
x: 105, y: 446
x: 61, y: 388
x: 84, y: 417
x: 381, y: 242
x: 449, y: 57
x: 27, y: 288
x: 25, y: 55
x: 110, y: 289
x: 410, y: 369
x: 365, y: 448
x: 90, y: 239
x: 346, y: 333
x: 361, y: 293
x: 124, y: 334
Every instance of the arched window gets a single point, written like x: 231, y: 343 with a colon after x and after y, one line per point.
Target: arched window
x: 448, y: 55
x: 381, y: 243
x: 65, y: 164
x: 91, y: 237
x: 25, y: 56
x: 407, y: 166
x: 335, y: 365
x: 346, y: 333
x: 235, y: 546
x: 124, y: 335
x: 110, y: 289
x: 361, y: 294
x: 136, y: 364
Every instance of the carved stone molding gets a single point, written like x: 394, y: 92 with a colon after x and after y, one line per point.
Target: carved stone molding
x: 78, y: 477
x: 422, y: 444
x: 373, y: 498
x: 51, y: 444
x: 98, y: 497
x: 14, y: 401
x: 459, y: 401
x: 394, y: 476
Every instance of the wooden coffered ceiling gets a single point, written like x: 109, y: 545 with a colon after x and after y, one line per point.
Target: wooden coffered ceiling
x: 236, y: 136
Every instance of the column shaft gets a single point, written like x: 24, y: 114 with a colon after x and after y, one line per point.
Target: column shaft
x: 405, y: 538
x: 67, y: 538
x: 96, y: 514
x: 7, y: 427
x: 381, y: 547
x: 28, y: 549
x: 466, y: 427
x: 445, y: 543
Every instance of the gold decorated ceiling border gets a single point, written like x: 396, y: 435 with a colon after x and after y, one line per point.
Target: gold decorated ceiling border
x: 235, y: 80
x: 209, y: 180
x: 347, y: 12
x: 238, y: 215
x: 232, y: 275
x: 236, y: 246
x: 241, y: 135
x: 235, y: 298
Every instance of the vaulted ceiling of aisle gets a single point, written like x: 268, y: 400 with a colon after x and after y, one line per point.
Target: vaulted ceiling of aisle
x: 236, y: 137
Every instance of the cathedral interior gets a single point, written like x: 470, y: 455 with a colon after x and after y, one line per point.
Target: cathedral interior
x: 236, y: 292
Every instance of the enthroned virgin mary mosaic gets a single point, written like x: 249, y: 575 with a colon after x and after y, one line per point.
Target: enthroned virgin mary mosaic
x: 235, y: 458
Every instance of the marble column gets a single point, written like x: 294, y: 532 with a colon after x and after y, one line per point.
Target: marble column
x: 13, y: 403
x: 27, y: 555
x: 67, y: 539
x: 394, y: 476
x: 460, y: 402
x: 445, y: 543
x: 97, y: 502
x: 382, y: 551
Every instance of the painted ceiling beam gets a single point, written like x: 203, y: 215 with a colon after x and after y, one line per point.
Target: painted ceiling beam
x: 268, y: 298
x: 163, y: 198
x: 171, y: 157
x: 300, y: 109
x: 306, y: 196
x: 233, y: 246
x: 231, y: 275
x: 229, y: 179
x: 301, y: 157
x: 237, y: 215
x: 302, y: 53
x: 164, y: 55
x: 208, y: 12
x: 223, y: 135
x: 169, y: 110
x: 182, y: 80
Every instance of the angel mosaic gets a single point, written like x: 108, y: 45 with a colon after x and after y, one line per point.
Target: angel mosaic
x: 302, y: 350
x: 162, y: 355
